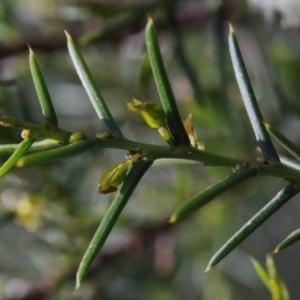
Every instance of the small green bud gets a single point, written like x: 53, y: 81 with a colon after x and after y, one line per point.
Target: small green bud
x: 163, y: 131
x: 115, y: 175
x: 153, y: 114
x: 200, y: 146
x: 76, y: 137
x: 104, y: 135
x: 261, y: 160
x: 26, y: 134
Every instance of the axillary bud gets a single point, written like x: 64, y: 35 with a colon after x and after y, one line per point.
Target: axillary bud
x: 116, y: 174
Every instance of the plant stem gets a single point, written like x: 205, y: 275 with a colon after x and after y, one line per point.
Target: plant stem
x: 44, y: 157
x: 159, y: 152
x: 37, y: 146
x: 279, y: 171
x: 37, y: 130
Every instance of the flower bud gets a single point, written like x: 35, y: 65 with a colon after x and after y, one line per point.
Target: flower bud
x: 76, y: 137
x: 26, y: 134
x: 164, y: 133
x: 152, y: 113
x: 115, y: 175
x: 104, y: 135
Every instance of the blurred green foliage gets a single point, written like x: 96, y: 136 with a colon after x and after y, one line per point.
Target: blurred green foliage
x: 49, y: 214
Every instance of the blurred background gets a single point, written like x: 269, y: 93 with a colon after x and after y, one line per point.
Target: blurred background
x: 48, y: 214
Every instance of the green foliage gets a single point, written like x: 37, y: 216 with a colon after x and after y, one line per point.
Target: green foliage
x: 271, y: 279
x: 55, y: 143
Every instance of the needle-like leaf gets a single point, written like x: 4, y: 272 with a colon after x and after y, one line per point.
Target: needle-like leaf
x: 173, y: 120
x: 283, y: 141
x: 210, y: 193
x: 21, y: 150
x: 288, y: 241
x: 255, y: 116
x: 277, y: 286
x: 290, y: 162
x: 110, y: 218
x: 279, y: 200
x: 45, y: 157
x: 262, y: 273
x: 91, y: 89
x: 42, y: 91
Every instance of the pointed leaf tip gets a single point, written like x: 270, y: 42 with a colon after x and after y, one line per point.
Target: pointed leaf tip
x: 150, y: 20
x: 67, y: 35
x: 207, y: 270
x: 171, y: 220
x: 231, y: 30
x: 274, y: 252
x: 76, y: 289
x: 29, y: 49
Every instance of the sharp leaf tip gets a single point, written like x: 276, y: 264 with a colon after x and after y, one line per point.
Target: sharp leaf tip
x: 76, y: 288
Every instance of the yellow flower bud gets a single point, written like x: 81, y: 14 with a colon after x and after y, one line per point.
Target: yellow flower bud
x: 26, y: 134
x: 115, y: 175
x: 153, y: 114
x: 76, y: 137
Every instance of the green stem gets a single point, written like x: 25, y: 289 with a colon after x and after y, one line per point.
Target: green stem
x: 37, y: 130
x: 51, y: 155
x: 37, y: 146
x: 159, y: 152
